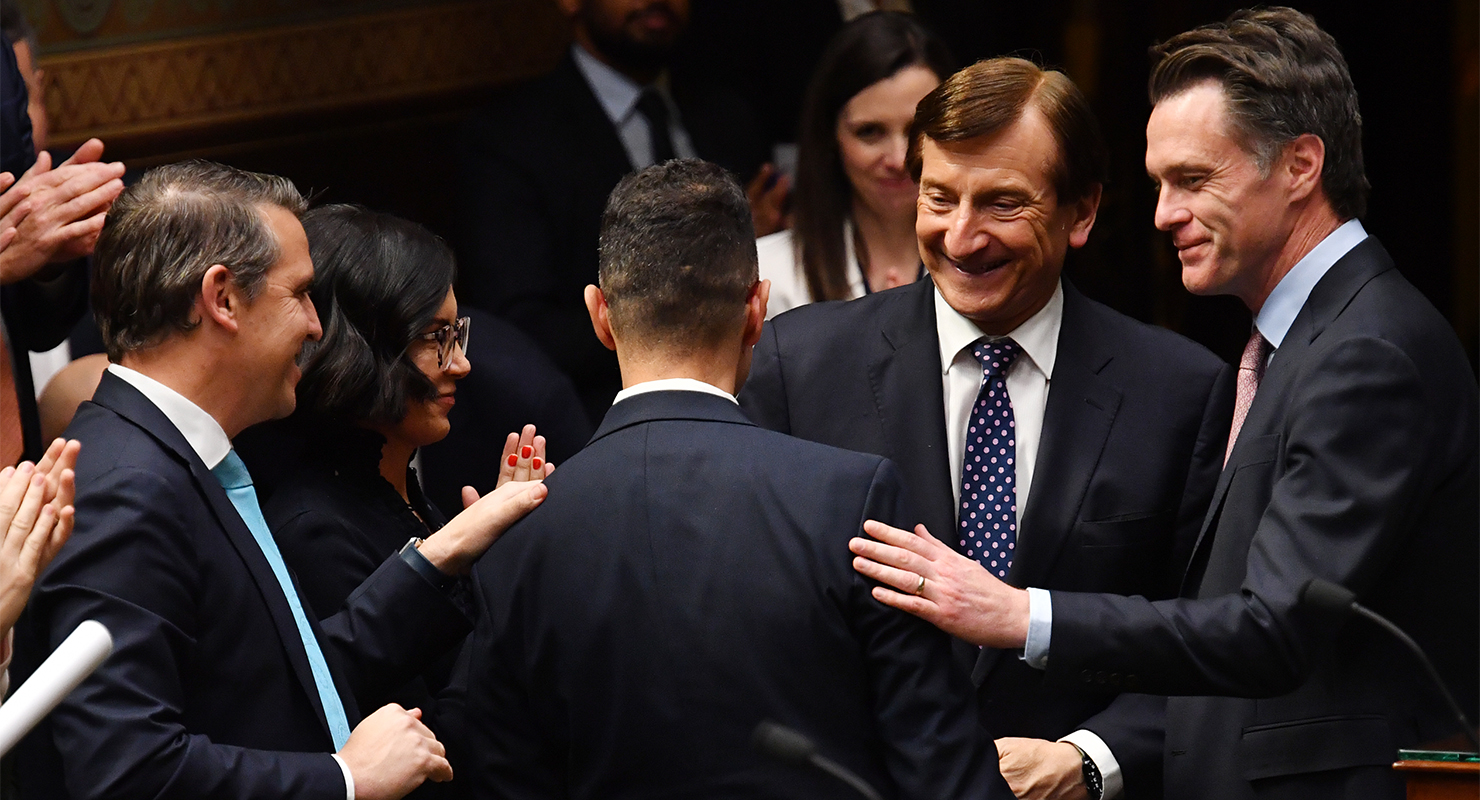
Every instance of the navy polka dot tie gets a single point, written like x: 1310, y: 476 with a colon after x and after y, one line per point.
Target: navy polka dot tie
x: 988, y: 487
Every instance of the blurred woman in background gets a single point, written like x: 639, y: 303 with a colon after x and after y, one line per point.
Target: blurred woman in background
x: 854, y: 201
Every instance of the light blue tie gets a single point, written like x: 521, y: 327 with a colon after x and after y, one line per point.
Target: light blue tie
x: 237, y: 482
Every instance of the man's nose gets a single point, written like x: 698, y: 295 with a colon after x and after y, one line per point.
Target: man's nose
x: 965, y: 234
x: 1170, y: 211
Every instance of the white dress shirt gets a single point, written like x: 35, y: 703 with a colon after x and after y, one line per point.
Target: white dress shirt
x: 206, y: 437
x: 673, y: 385
x: 1273, y: 321
x: 1027, y: 384
x: 618, y: 95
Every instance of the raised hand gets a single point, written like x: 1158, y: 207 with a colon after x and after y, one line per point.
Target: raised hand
x: 36, y: 518
x: 57, y: 213
x: 523, y: 458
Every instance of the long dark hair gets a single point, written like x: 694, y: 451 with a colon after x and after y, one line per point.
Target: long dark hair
x: 867, y: 50
x: 378, y: 282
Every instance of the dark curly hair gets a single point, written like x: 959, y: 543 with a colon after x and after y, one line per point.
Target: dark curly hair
x: 378, y: 282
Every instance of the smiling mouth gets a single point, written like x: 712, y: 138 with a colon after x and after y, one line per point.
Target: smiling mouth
x: 980, y: 267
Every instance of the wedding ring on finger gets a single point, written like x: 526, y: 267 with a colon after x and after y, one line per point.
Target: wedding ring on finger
x: 920, y: 587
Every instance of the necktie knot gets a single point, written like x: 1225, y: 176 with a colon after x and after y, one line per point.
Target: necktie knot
x: 995, y: 356
x: 1256, y: 353
x: 232, y: 472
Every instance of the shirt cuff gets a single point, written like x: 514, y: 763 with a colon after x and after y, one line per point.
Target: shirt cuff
x: 1094, y: 747
x: 426, y: 568
x: 349, y: 780
x: 1040, y: 627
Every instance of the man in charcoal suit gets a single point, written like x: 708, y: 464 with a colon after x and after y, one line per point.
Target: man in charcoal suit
x: 219, y: 684
x: 1352, y: 457
x: 1101, y: 473
x: 689, y: 577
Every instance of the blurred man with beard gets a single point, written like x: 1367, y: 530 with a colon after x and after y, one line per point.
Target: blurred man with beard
x: 538, y: 163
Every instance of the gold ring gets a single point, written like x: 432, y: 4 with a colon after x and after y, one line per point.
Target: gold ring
x: 920, y: 587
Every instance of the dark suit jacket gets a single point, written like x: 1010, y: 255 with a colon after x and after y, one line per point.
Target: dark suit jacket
x: 687, y: 577
x: 1133, y: 436
x: 1357, y: 464
x: 208, y: 692
x: 537, y: 166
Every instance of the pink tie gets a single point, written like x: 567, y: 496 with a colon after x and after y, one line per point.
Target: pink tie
x: 1250, y: 370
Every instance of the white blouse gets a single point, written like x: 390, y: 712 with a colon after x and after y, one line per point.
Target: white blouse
x: 781, y: 264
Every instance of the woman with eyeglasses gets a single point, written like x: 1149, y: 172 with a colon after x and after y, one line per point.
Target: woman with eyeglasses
x: 376, y: 387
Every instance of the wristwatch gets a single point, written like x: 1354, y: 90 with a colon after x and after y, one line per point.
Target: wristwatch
x: 413, y: 558
x: 1094, y: 783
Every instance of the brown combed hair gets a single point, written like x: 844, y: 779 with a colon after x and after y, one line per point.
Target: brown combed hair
x: 1283, y: 77
x: 991, y: 95
x: 163, y: 234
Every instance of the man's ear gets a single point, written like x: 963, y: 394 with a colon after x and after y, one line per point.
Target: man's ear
x: 1302, y: 161
x: 1084, y: 216
x: 755, y: 311
x: 219, y: 301
x: 601, y: 320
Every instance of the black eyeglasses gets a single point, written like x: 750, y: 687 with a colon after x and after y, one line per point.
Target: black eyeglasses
x: 446, y: 336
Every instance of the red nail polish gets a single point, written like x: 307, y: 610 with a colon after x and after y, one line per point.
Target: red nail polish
x: 537, y: 463
x: 526, y: 452
x: 513, y: 460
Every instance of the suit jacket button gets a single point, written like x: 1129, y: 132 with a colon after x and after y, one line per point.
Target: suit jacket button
x: 1087, y: 676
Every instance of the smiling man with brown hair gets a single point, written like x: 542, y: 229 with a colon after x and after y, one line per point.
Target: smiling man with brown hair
x: 1060, y: 444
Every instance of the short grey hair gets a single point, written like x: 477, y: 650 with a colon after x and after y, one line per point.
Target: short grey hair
x: 163, y: 234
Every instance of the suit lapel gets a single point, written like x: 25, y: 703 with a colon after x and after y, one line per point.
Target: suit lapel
x: 123, y: 399
x: 904, y: 371
x: 1328, y: 298
x: 1076, y: 423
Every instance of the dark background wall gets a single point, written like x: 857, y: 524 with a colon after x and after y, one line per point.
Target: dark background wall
x: 359, y: 101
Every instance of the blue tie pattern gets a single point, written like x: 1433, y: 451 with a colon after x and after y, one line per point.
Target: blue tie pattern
x: 988, y: 492
x: 237, y: 482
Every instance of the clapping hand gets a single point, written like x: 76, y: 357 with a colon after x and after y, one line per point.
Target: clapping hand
x: 523, y: 459
x: 57, y: 213
x: 36, y: 517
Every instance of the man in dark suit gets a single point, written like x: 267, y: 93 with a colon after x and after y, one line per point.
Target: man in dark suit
x: 538, y: 163
x: 688, y: 577
x: 1115, y: 440
x: 1352, y: 457
x: 219, y: 684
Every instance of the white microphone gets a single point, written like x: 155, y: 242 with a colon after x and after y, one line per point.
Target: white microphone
x: 57, y: 676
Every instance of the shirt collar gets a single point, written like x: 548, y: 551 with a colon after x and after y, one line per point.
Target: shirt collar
x: 201, y: 430
x: 1289, y: 295
x: 1038, y: 336
x: 616, y: 92
x: 673, y: 385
